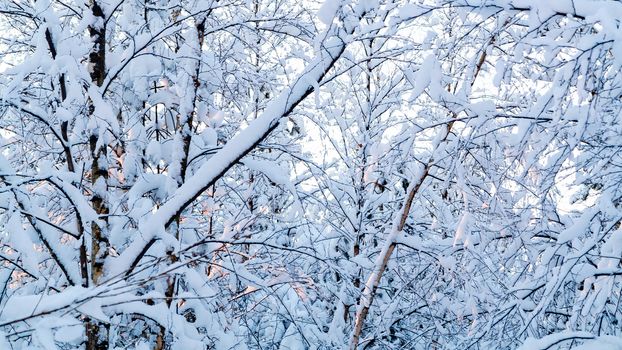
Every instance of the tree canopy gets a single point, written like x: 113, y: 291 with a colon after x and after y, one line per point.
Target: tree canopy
x: 337, y: 174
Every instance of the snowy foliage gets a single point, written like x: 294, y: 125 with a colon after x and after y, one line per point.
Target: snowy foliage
x: 345, y: 174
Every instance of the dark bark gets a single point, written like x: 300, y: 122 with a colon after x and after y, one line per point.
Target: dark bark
x: 97, y: 332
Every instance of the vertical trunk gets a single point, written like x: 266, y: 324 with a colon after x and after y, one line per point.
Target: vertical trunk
x: 360, y: 231
x: 185, y: 128
x: 97, y: 332
x: 64, y: 128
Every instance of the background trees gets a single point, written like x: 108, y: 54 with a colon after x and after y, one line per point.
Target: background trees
x: 273, y: 174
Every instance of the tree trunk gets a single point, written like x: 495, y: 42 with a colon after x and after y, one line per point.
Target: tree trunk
x: 96, y: 331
